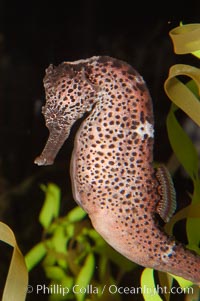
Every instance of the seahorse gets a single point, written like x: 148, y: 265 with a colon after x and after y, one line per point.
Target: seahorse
x: 112, y: 173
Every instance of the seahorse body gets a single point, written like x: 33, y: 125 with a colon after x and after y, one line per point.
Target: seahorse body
x: 111, y: 168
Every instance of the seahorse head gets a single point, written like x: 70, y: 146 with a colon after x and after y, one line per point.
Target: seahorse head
x: 69, y: 94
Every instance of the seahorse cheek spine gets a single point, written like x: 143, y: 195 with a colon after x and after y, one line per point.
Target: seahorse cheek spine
x: 111, y: 168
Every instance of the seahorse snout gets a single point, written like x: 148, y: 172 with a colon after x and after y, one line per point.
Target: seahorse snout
x: 54, y: 143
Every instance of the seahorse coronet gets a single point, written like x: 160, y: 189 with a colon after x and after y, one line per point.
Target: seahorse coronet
x: 112, y: 175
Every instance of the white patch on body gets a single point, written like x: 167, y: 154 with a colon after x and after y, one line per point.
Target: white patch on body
x: 83, y: 61
x: 139, y: 79
x: 145, y: 129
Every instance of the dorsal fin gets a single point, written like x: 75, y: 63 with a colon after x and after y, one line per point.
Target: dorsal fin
x: 167, y: 204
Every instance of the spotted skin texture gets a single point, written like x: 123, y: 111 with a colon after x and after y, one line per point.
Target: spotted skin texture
x: 112, y: 175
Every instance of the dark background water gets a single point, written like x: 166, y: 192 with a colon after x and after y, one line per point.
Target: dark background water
x: 34, y: 35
